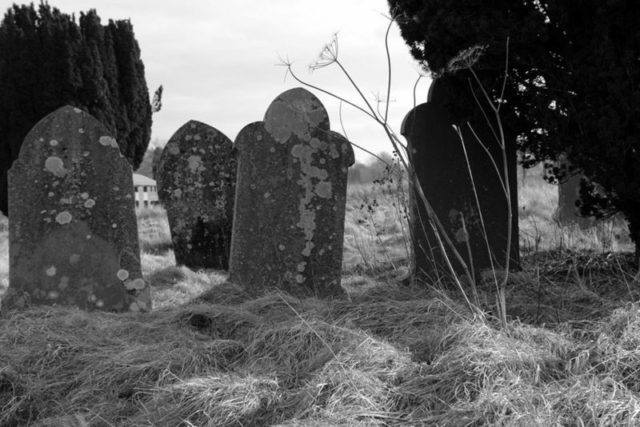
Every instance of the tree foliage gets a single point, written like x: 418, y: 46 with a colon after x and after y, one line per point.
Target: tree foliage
x: 49, y: 59
x: 573, y: 82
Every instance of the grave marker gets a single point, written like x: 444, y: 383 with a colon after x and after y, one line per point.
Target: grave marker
x: 196, y: 184
x: 568, y: 212
x: 73, y: 237
x: 441, y: 166
x: 290, y: 200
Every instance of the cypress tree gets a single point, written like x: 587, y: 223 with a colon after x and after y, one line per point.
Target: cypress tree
x: 49, y: 59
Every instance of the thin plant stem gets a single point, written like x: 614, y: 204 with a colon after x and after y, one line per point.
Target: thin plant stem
x: 506, y: 72
x: 477, y: 200
x: 326, y: 92
x: 444, y: 241
x: 474, y: 288
x: 493, y: 161
x: 388, y: 55
x: 505, y: 164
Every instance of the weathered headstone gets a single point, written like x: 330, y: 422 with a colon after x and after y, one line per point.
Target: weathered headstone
x: 441, y: 167
x: 196, y: 185
x: 73, y: 237
x: 568, y: 212
x: 288, y: 225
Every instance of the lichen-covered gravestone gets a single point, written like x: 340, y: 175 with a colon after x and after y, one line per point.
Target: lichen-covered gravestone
x: 196, y: 184
x: 73, y: 238
x: 290, y: 200
x: 443, y: 171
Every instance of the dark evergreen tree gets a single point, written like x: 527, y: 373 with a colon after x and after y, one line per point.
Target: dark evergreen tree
x: 49, y: 59
x: 573, y: 82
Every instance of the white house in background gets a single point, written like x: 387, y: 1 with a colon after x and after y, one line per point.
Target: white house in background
x: 145, y: 190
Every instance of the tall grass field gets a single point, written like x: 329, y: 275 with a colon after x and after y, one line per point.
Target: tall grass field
x: 388, y: 355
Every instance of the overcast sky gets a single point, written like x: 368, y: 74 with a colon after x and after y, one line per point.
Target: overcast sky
x: 218, y: 60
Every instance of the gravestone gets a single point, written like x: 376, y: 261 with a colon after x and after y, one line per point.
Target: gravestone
x: 196, y: 184
x: 437, y: 154
x: 73, y: 237
x: 288, y: 225
x: 568, y: 212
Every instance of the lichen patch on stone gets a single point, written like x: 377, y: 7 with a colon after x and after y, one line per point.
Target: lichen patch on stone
x: 55, y: 165
x: 64, y: 218
x: 308, y: 247
x: 279, y: 124
x: 122, y: 274
x: 136, y: 284
x: 318, y: 144
x: 108, y: 141
x: 195, y: 164
x: 323, y: 189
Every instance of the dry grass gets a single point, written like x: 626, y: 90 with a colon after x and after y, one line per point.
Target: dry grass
x: 388, y: 355
x: 540, y: 231
x: 376, y: 232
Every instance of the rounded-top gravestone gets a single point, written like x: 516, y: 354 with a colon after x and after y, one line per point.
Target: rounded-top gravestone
x: 73, y: 237
x: 288, y: 225
x: 452, y: 169
x: 196, y: 185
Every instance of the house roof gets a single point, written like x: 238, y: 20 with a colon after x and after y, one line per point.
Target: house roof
x: 139, y: 180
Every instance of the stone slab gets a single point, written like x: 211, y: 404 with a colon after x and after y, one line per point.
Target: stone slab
x: 73, y: 237
x: 290, y: 200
